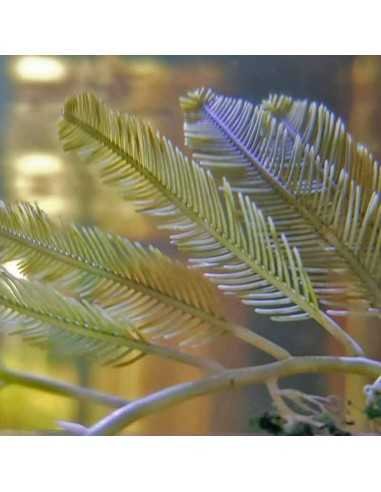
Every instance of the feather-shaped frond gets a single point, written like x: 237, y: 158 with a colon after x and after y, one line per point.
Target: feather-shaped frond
x: 339, y: 243
x: 316, y: 125
x: 160, y: 296
x: 39, y: 313
x: 231, y: 239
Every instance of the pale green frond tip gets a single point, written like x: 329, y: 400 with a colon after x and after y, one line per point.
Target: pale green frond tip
x: 194, y: 100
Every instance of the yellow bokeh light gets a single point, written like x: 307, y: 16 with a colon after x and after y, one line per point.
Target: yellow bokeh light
x: 39, y: 69
x: 38, y: 163
x: 146, y: 68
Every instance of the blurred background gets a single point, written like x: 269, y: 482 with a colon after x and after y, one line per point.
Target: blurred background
x: 33, y: 168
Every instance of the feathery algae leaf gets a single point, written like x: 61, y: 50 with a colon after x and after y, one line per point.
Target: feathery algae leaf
x: 160, y: 296
x: 329, y: 221
x: 230, y: 238
x: 40, y: 314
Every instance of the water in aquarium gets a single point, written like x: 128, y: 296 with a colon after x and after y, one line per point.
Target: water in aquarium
x: 35, y: 168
